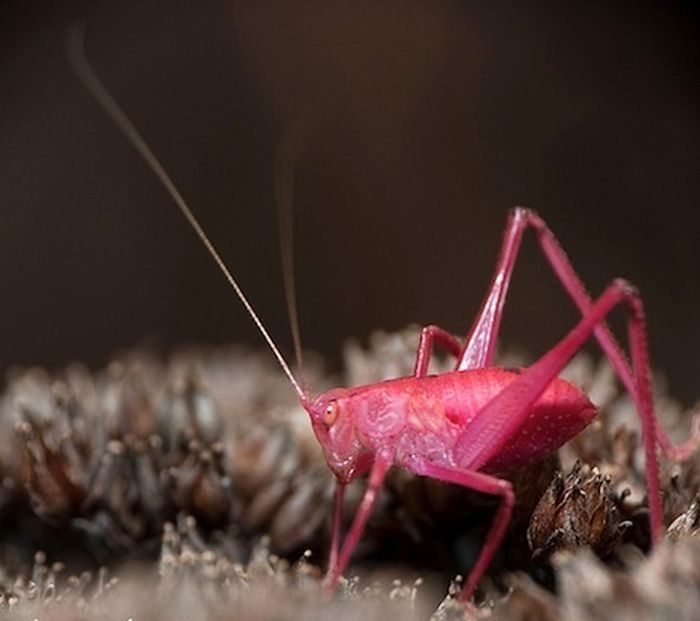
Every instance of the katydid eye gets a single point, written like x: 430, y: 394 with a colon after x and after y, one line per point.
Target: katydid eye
x: 331, y: 413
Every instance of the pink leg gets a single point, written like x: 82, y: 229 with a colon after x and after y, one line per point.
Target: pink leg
x: 481, y: 340
x: 478, y: 350
x: 382, y: 463
x: 501, y: 418
x: 336, y: 525
x: 428, y: 335
x: 481, y: 483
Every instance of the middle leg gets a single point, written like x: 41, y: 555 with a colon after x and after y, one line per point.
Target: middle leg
x: 429, y: 335
x: 481, y: 483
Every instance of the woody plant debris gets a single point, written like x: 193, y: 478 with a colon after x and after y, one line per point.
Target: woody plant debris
x: 193, y: 487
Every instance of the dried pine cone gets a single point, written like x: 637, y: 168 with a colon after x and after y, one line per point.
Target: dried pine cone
x: 576, y: 511
x: 282, y: 490
x: 92, y: 460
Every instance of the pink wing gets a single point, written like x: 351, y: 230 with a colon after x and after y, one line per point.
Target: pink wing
x: 535, y: 414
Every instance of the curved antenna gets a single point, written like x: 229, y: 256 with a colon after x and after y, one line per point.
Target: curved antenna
x: 287, y: 153
x: 83, y: 69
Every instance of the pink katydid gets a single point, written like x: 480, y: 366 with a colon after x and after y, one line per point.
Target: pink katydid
x: 469, y: 425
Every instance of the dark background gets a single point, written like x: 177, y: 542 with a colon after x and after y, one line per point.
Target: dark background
x: 429, y: 120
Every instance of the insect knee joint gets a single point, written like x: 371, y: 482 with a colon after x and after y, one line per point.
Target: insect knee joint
x: 626, y: 287
x: 506, y: 490
x: 518, y: 213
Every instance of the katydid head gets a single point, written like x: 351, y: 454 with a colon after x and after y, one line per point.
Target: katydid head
x: 333, y: 423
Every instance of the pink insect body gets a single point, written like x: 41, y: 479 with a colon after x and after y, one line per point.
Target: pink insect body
x: 470, y: 425
x: 423, y: 419
x: 467, y: 426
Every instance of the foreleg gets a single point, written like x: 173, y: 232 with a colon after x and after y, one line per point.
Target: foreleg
x: 481, y: 341
x: 488, y: 485
x: 501, y: 418
x: 336, y: 526
x: 380, y: 467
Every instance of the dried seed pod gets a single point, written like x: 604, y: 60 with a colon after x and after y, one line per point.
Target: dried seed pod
x: 116, y: 454
x: 88, y: 460
x: 665, y: 585
x: 303, y: 514
x: 54, y: 483
x: 282, y: 490
x: 201, y: 485
x: 676, y: 499
x: 529, y: 484
x: 188, y: 412
x: 115, y: 497
x: 687, y: 524
x: 576, y: 511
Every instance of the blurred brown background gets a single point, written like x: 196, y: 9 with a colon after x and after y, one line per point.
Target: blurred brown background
x: 429, y: 120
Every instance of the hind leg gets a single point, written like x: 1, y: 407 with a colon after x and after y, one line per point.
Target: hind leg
x: 481, y: 341
x: 504, y: 415
x: 480, y: 344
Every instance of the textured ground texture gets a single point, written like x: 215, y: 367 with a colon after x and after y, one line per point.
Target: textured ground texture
x: 193, y: 488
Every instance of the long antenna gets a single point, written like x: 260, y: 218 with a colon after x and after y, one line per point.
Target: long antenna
x: 287, y: 153
x: 83, y: 69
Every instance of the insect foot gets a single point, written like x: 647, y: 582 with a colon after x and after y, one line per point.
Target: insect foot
x: 577, y: 510
x: 452, y: 608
